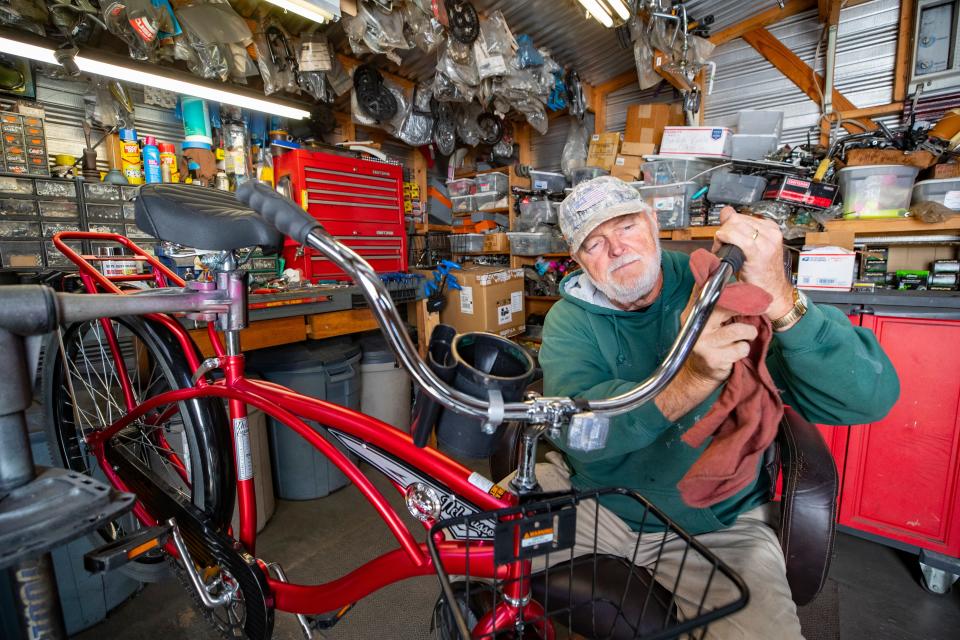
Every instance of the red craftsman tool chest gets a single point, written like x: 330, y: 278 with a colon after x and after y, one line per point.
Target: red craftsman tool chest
x: 359, y: 202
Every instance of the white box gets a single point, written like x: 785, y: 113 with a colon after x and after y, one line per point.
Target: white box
x: 829, y: 268
x: 706, y: 142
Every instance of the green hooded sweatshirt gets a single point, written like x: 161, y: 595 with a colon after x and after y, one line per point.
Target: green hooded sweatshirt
x: 827, y: 370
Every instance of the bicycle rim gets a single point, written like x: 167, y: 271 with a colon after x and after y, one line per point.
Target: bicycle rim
x: 84, y: 393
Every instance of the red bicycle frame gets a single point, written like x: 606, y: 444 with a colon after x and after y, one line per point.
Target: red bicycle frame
x: 381, y: 444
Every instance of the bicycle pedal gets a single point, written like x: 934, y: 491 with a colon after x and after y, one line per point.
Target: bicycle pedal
x: 119, y: 552
x: 310, y: 623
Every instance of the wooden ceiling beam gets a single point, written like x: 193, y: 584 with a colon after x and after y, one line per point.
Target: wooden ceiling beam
x: 829, y: 11
x: 625, y: 79
x: 901, y: 69
x: 349, y: 63
x: 798, y: 72
x: 762, y: 19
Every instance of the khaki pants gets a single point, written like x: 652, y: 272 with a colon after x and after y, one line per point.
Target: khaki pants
x: 750, y: 547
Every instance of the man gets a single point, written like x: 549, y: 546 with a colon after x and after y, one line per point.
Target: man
x: 616, y: 320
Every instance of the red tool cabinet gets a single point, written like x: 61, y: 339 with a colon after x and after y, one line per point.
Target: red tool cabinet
x: 359, y: 202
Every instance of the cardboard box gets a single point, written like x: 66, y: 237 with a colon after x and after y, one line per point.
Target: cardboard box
x: 706, y: 142
x: 638, y: 148
x: 491, y: 299
x: 645, y: 122
x: 603, y: 150
x: 815, y: 195
x: 827, y: 268
x: 627, y: 167
x: 496, y: 242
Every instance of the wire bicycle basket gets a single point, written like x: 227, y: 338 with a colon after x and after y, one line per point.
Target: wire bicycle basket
x: 554, y: 574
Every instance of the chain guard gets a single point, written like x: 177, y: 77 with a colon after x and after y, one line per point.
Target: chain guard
x: 463, y: 20
x: 208, y: 546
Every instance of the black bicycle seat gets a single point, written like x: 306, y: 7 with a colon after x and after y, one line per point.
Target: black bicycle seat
x: 203, y: 218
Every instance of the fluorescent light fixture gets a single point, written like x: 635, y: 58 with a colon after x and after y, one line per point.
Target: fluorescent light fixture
x: 133, y: 74
x: 620, y: 7
x: 315, y: 10
x: 599, y: 13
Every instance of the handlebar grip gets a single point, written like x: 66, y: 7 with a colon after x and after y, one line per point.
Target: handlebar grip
x: 279, y: 211
x: 732, y: 255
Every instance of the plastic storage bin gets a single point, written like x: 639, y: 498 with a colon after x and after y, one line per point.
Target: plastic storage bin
x: 748, y: 146
x: 736, y: 188
x: 760, y: 122
x: 489, y: 200
x: 461, y: 187
x: 466, y: 242
x: 462, y: 204
x: 946, y: 191
x: 672, y: 170
x: 876, y: 191
x: 540, y: 210
x: 324, y: 369
x: 530, y: 243
x: 586, y: 173
x: 548, y: 180
x: 492, y: 183
x: 671, y: 202
x: 385, y: 393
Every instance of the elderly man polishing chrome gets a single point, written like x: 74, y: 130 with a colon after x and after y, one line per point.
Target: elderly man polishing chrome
x: 618, y: 316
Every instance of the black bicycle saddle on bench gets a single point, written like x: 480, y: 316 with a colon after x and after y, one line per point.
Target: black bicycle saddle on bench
x: 203, y: 218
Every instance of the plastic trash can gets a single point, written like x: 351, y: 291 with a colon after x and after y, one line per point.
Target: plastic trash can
x: 324, y: 369
x: 385, y: 390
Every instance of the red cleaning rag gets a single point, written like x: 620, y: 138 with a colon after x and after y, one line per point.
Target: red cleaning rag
x: 745, y: 418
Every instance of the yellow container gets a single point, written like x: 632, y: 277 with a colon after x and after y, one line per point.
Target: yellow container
x: 131, y: 163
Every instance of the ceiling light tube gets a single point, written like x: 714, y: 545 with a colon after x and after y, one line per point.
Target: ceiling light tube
x: 132, y: 73
x: 620, y: 6
x: 598, y: 12
x: 303, y: 8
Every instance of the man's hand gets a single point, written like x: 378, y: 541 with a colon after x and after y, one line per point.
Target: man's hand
x: 762, y: 245
x: 721, y: 344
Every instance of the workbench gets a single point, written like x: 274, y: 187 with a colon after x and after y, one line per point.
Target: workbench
x: 324, y: 311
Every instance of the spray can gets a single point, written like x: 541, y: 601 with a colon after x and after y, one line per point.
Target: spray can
x: 168, y: 159
x: 151, y: 160
x: 130, y: 161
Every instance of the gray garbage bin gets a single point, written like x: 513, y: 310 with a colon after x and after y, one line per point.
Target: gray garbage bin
x: 386, y: 385
x: 324, y: 369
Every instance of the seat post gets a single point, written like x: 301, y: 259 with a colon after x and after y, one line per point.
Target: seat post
x: 234, y: 282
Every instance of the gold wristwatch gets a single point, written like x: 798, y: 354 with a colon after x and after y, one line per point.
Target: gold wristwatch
x: 799, y: 308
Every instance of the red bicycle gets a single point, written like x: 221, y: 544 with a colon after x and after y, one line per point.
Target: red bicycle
x: 130, y: 400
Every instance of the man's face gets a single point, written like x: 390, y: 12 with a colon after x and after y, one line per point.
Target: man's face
x: 622, y: 256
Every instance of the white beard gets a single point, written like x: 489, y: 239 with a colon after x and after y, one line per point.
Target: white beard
x: 628, y: 293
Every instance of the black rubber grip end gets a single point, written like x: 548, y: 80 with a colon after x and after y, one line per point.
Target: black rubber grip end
x: 279, y: 211
x: 732, y: 255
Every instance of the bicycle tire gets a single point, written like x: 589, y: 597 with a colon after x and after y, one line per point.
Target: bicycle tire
x: 202, y: 422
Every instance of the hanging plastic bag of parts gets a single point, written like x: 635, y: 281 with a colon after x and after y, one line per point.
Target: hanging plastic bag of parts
x: 495, y: 46
x: 422, y: 30
x: 416, y: 127
x: 373, y: 30
x: 574, y: 155
x: 142, y: 24
x: 527, y: 54
x: 647, y: 77
x: 463, y: 76
x: 316, y: 60
x: 29, y: 15
x: 276, y: 57
x: 214, y: 41
x: 467, y: 128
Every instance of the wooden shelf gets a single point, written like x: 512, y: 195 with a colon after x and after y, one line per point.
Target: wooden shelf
x: 543, y: 298
x: 429, y: 228
x: 473, y: 174
x: 842, y: 233
x: 480, y: 253
x: 689, y: 233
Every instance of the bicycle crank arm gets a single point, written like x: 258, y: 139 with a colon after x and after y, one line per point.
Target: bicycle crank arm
x: 200, y: 544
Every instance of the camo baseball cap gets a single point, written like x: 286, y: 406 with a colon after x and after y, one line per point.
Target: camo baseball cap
x: 592, y: 203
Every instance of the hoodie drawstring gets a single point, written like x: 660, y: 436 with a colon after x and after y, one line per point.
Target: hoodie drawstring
x: 621, y: 356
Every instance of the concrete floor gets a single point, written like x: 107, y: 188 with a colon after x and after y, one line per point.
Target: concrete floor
x: 879, y: 594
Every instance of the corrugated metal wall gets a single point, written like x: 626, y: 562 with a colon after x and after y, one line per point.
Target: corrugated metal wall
x: 866, y: 51
x: 63, y: 102
x: 546, y: 150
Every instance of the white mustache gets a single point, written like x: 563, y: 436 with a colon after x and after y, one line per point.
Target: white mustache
x: 622, y: 261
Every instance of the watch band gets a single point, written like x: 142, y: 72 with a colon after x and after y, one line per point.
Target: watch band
x: 797, y: 312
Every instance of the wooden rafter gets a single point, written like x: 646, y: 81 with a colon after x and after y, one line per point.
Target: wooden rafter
x: 901, y: 69
x: 762, y: 19
x: 790, y: 65
x: 829, y: 11
x: 619, y: 82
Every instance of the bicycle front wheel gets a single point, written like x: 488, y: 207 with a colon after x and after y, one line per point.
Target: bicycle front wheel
x: 92, y: 372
